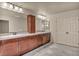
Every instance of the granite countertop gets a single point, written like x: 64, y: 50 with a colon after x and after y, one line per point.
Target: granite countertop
x: 20, y: 35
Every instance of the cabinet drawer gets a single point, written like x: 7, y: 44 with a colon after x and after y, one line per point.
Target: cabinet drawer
x: 10, y: 47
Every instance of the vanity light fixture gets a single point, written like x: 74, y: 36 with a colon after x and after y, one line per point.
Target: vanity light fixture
x: 16, y: 8
x: 41, y: 17
x: 44, y: 17
x: 4, y: 5
x: 12, y: 7
x: 20, y: 9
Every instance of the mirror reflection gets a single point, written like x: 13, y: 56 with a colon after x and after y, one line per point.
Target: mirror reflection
x: 14, y: 21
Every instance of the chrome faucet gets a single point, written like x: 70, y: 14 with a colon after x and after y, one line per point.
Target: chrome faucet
x: 14, y: 33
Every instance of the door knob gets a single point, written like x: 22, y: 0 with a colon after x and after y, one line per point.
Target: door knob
x: 67, y: 32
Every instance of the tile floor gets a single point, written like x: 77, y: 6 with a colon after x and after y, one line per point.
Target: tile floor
x: 54, y: 50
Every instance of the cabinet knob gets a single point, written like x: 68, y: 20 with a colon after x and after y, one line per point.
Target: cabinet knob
x: 67, y: 32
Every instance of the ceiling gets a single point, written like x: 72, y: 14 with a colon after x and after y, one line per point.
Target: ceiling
x: 48, y: 7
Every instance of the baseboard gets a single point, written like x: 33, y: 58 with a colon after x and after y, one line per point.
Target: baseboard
x: 68, y: 45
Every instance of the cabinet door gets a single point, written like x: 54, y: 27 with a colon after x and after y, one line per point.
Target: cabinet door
x: 10, y: 47
x: 45, y: 38
x: 67, y: 31
x: 24, y: 45
x: 39, y: 40
x: 33, y: 42
x: 27, y: 44
x: 31, y: 23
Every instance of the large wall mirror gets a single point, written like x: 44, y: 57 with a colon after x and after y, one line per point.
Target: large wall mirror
x: 11, y: 21
x: 42, y: 24
x: 15, y: 21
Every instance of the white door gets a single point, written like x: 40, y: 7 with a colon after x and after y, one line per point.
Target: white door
x: 67, y: 31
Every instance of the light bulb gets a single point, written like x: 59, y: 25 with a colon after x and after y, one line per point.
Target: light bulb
x: 41, y: 17
x: 11, y: 6
x: 16, y: 8
x: 20, y: 9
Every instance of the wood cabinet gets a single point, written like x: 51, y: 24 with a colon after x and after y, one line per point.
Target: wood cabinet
x: 45, y: 38
x: 19, y: 46
x: 24, y: 45
x: 0, y: 47
x: 10, y: 47
x: 31, y: 23
x: 33, y: 42
x: 27, y: 44
x: 39, y: 40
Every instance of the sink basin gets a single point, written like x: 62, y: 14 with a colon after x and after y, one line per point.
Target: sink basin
x: 6, y: 36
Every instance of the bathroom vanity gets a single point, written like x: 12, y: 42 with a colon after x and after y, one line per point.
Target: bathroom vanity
x: 14, y: 45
